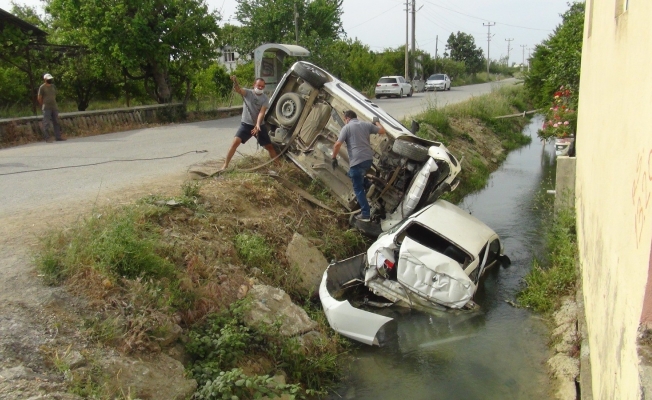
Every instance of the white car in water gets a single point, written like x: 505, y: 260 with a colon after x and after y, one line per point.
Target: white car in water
x: 408, y: 172
x: 433, y: 260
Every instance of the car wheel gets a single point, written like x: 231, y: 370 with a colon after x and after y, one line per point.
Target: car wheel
x: 378, y: 96
x: 288, y: 109
x: 410, y: 94
x: 400, y: 95
x: 315, y: 77
x: 413, y: 151
x: 449, y: 88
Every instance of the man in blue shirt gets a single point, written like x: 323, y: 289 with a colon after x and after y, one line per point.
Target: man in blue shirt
x: 356, y: 134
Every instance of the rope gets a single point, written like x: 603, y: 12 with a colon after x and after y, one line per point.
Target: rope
x: 105, y: 162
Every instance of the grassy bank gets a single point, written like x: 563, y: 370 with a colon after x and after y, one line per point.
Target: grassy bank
x: 471, y: 131
x: 556, y: 275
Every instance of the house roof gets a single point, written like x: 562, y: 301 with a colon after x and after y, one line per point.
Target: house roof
x: 7, y: 18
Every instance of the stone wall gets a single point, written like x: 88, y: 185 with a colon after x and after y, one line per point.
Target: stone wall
x: 17, y: 131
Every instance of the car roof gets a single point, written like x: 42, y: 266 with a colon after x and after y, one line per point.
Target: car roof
x: 456, y: 225
x: 391, y: 76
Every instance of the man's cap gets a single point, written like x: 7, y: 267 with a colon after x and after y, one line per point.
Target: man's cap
x: 48, y: 76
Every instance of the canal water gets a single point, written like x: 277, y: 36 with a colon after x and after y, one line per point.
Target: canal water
x: 498, y: 353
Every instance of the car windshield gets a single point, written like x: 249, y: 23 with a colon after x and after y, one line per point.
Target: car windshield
x: 438, y: 77
x: 387, y: 80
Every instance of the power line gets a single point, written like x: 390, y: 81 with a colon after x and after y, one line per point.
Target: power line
x: 484, y: 19
x: 372, y: 18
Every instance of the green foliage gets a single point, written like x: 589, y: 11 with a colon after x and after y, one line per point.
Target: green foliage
x: 556, y: 61
x: 253, y: 250
x: 164, y: 42
x: 556, y: 276
x: 234, y: 384
x: 454, y: 69
x: 223, y: 342
x: 273, y: 22
x: 461, y: 47
x: 245, y: 74
x: 118, y: 244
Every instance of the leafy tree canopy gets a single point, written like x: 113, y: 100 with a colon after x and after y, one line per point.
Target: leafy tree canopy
x: 161, y: 41
x: 265, y: 21
x: 461, y: 47
x: 556, y: 61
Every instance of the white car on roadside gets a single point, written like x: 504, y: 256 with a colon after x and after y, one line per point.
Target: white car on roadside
x: 395, y: 86
x: 433, y: 260
x: 438, y: 82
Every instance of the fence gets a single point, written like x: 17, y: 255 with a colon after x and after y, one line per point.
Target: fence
x: 17, y: 131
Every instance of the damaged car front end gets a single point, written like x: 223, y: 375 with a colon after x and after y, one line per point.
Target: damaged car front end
x: 431, y: 261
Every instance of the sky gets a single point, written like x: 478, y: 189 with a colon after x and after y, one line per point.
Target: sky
x: 380, y: 24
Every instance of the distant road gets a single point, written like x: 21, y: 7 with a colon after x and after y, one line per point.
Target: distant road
x: 59, y: 188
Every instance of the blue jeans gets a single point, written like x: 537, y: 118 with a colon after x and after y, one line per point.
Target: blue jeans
x: 356, y: 173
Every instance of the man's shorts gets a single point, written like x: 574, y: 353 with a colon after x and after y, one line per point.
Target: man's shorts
x: 244, y: 133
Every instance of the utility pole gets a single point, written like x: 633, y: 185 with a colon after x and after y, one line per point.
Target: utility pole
x: 414, y: 18
x: 296, y: 24
x: 529, y: 57
x: 523, y: 46
x: 407, y: 14
x: 436, y: 49
x: 509, y: 43
x: 488, y: 25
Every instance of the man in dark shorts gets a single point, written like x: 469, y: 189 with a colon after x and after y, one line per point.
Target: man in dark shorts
x: 253, y: 112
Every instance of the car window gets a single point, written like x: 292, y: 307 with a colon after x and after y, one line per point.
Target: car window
x: 436, y: 77
x: 387, y: 80
x: 434, y: 241
x: 494, y: 251
x: 401, y: 80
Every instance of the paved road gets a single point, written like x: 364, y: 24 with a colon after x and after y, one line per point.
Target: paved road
x: 24, y: 192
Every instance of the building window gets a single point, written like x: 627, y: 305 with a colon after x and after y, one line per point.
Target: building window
x: 229, y: 56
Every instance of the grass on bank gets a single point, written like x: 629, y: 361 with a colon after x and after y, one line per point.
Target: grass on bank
x: 450, y: 125
x: 556, y: 275
x: 181, y: 260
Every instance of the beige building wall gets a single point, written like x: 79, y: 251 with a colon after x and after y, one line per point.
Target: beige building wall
x: 614, y: 187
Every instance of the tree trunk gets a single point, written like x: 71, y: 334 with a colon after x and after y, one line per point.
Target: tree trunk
x: 163, y: 90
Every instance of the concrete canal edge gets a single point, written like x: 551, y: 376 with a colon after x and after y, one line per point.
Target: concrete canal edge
x: 580, y: 386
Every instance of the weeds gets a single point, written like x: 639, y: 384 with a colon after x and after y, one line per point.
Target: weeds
x: 555, y: 277
x: 223, y: 345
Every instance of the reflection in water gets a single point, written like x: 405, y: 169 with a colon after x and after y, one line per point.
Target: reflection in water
x: 496, y: 353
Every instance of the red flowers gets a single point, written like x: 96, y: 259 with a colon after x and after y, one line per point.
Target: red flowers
x: 561, y: 119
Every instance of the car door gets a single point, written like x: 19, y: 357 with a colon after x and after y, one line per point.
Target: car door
x: 404, y: 85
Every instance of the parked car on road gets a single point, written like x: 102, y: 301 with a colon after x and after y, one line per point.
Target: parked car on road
x: 393, y: 86
x: 408, y: 172
x: 438, y: 82
x: 433, y: 260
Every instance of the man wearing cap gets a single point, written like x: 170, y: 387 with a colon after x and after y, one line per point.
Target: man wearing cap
x: 356, y: 135
x: 47, y: 99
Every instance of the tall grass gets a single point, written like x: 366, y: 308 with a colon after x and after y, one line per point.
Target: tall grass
x: 501, y: 101
x: 555, y: 276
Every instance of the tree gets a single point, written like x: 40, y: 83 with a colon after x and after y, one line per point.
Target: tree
x: 319, y: 23
x: 160, y: 41
x: 461, y: 47
x: 21, y: 48
x: 556, y: 61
